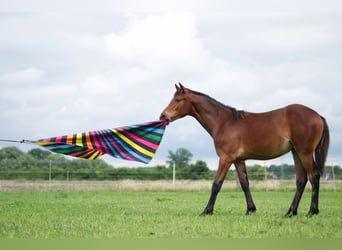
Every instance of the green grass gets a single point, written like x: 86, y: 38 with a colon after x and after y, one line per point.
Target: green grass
x: 162, y: 214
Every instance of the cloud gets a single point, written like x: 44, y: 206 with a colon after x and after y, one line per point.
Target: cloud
x: 30, y: 74
x: 289, y: 39
x: 267, y: 33
x: 160, y: 42
x: 168, y: 45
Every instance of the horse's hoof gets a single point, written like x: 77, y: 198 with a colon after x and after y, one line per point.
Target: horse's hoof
x: 290, y: 213
x: 312, y: 213
x: 206, y: 212
x: 250, y: 211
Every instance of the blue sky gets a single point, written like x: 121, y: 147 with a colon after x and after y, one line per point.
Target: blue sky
x: 65, y: 72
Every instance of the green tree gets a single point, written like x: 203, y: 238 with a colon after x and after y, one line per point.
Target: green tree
x: 197, y: 171
x: 38, y: 153
x: 10, y: 153
x: 13, y: 158
x: 256, y: 172
x: 180, y: 158
x: 283, y: 171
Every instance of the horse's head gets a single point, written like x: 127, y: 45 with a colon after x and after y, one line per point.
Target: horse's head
x: 179, y: 106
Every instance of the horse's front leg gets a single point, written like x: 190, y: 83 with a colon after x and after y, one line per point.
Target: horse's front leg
x: 243, y: 178
x: 216, y: 186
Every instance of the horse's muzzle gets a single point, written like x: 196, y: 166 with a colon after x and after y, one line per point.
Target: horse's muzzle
x: 164, y: 117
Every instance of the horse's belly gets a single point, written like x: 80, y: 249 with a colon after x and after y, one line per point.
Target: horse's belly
x: 265, y: 151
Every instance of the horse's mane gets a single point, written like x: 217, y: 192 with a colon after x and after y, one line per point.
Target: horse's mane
x: 237, y: 114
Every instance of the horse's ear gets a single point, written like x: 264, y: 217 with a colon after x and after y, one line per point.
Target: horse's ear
x: 181, y: 88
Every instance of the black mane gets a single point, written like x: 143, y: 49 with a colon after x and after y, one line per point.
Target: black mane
x: 237, y: 114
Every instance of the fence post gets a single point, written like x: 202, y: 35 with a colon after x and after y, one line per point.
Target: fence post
x: 333, y: 176
x: 174, y: 174
x: 50, y: 173
x: 265, y: 175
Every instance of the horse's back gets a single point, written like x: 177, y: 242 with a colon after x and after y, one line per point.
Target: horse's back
x: 292, y: 115
x: 301, y: 111
x: 270, y: 134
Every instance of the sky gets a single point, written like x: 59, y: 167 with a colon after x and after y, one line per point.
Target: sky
x: 66, y: 72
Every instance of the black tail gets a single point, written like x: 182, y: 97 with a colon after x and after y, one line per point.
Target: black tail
x: 321, y: 150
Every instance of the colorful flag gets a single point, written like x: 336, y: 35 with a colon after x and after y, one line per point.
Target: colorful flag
x: 134, y: 143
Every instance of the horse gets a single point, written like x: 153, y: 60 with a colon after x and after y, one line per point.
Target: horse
x: 241, y: 135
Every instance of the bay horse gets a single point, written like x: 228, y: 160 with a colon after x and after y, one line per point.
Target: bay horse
x: 240, y: 135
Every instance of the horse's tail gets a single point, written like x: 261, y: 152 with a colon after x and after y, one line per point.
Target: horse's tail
x: 321, y: 150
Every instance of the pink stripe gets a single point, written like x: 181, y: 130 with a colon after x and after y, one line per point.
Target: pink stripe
x: 94, y: 141
x: 139, y: 139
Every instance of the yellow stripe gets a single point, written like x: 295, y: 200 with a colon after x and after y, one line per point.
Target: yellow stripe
x: 95, y: 155
x: 90, y: 155
x: 132, y: 144
x: 79, y: 139
x: 44, y: 143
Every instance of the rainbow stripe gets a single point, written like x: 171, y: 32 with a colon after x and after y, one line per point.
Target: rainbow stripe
x: 135, y: 143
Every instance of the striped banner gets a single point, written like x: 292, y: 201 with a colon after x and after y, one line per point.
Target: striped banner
x: 134, y: 143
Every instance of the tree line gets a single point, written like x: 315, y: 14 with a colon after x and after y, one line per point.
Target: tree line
x: 38, y: 164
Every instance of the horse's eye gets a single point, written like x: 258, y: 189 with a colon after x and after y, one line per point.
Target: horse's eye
x: 178, y: 100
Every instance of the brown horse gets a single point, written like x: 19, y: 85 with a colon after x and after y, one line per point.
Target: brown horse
x: 240, y: 135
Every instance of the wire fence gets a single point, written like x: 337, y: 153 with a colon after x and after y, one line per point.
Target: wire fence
x: 145, y: 174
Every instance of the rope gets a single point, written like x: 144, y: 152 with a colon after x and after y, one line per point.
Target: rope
x: 22, y: 141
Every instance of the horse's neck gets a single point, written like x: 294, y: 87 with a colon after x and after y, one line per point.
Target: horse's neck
x: 208, y: 114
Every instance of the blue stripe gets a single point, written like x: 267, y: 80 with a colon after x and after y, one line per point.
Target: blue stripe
x: 112, y: 149
x: 59, y: 146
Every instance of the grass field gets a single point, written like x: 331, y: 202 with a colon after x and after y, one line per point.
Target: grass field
x: 112, y: 213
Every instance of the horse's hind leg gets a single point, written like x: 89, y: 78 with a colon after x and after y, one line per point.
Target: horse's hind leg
x: 243, y: 178
x: 314, y: 180
x: 312, y: 171
x: 301, y: 180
